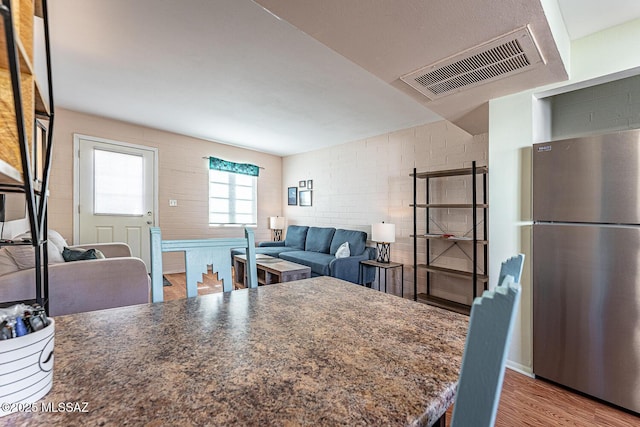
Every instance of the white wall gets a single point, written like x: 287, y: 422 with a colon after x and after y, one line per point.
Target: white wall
x: 514, y: 123
x: 368, y: 181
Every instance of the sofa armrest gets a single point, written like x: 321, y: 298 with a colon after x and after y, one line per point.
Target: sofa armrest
x: 347, y: 268
x: 369, y: 272
x: 110, y: 250
x: 271, y: 244
x: 371, y: 252
x: 89, y: 285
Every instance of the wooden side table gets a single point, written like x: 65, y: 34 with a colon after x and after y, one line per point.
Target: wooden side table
x: 386, y: 266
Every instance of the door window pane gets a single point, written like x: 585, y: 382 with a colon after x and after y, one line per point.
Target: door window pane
x: 118, y: 183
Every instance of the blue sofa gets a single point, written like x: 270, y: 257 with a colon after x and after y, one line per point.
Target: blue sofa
x: 316, y: 247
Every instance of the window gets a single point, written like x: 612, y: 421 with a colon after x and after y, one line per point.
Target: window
x: 232, y: 198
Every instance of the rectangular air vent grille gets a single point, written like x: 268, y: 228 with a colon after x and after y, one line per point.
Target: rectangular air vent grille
x: 510, y: 54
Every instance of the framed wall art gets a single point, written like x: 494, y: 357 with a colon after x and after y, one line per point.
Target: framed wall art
x: 305, y: 198
x: 309, y: 184
x: 302, y: 183
x: 292, y: 196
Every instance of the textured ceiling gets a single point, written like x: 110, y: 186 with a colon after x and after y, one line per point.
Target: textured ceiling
x: 390, y: 40
x: 302, y: 75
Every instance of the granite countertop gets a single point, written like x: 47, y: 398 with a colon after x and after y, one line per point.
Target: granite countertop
x: 316, y: 352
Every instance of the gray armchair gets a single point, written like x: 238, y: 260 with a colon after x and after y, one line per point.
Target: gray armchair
x: 117, y: 280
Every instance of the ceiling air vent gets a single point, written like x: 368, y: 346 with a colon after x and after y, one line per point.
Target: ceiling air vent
x: 507, y: 55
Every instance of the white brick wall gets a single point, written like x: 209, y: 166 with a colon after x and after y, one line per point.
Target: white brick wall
x: 368, y: 181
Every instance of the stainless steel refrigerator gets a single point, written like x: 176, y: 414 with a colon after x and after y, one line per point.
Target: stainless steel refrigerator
x: 586, y: 265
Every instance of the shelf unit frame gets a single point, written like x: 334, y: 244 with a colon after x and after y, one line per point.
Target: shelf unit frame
x: 36, y: 207
x: 474, y: 206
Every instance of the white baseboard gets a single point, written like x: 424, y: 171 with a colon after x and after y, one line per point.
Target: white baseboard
x: 524, y: 370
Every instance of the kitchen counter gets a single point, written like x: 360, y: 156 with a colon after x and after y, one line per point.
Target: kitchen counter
x: 319, y: 351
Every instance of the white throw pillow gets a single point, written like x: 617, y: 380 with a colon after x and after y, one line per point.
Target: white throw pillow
x: 55, y: 238
x: 343, y: 251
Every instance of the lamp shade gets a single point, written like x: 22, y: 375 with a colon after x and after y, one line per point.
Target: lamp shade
x: 383, y: 232
x: 276, y: 222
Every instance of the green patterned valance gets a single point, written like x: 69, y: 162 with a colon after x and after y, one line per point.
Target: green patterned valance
x: 226, y: 166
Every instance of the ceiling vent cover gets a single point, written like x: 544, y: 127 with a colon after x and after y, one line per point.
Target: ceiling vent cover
x: 507, y: 55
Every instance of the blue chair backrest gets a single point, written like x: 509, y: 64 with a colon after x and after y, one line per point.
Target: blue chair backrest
x: 198, y: 254
x: 512, y: 267
x: 485, y: 353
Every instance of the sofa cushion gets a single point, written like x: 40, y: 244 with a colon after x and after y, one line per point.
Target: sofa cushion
x: 318, y: 262
x: 7, y: 264
x: 296, y: 235
x: 23, y: 256
x: 319, y: 239
x: 357, y: 241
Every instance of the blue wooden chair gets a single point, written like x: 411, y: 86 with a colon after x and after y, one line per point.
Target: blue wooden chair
x: 485, y: 352
x: 512, y: 267
x: 198, y: 254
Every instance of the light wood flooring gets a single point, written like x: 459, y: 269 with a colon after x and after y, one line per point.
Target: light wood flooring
x: 527, y: 401
x: 178, y: 288
x: 524, y: 401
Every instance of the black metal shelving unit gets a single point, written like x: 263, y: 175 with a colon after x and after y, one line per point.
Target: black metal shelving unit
x: 474, y: 242
x: 32, y: 183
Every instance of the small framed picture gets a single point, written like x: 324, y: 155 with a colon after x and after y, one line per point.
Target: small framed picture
x: 309, y: 184
x: 301, y: 184
x: 305, y: 198
x: 292, y: 196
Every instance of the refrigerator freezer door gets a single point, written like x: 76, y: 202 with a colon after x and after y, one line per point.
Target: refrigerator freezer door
x: 594, y: 179
x: 586, y: 308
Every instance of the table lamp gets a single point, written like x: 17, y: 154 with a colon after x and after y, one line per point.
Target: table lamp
x: 383, y: 234
x: 276, y: 223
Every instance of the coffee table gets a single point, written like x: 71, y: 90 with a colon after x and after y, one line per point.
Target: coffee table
x: 270, y: 270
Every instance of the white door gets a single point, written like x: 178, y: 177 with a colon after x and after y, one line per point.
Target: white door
x: 115, y: 186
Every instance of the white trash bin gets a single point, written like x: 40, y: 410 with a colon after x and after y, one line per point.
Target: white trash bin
x: 26, y: 368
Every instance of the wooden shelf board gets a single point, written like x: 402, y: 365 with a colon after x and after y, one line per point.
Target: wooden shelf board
x: 452, y: 239
x: 451, y: 172
x: 38, y: 10
x: 41, y: 106
x: 452, y: 272
x: 25, y: 63
x: 9, y: 141
x: 9, y: 174
x: 445, y: 303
